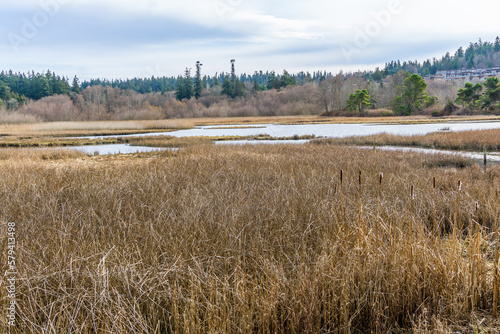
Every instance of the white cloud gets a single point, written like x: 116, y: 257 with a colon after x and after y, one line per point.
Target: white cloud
x: 124, y: 38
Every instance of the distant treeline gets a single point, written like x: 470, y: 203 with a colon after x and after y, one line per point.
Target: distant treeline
x: 265, y: 80
x: 17, y: 89
x: 476, y: 55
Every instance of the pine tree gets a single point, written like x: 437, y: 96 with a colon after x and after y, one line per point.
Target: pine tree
x: 198, y: 85
x: 75, y: 86
x: 271, y: 77
x: 232, y: 86
x: 287, y: 80
x: 4, y: 92
x: 412, y: 95
x: 233, y: 73
x: 469, y: 95
x: 227, y: 87
x: 185, y: 89
x: 40, y: 87
x: 256, y: 87
x: 359, y: 100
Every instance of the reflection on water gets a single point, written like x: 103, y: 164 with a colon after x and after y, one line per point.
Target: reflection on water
x: 115, y: 149
x: 321, y: 130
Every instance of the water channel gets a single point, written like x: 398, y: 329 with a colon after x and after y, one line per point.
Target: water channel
x: 319, y: 130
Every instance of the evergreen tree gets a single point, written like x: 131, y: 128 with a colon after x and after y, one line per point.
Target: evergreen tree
x: 233, y: 73
x: 75, y: 86
x: 286, y: 80
x: 239, y: 89
x: 256, y: 87
x: 491, y: 94
x: 497, y: 44
x: 227, y: 87
x: 198, y: 85
x: 469, y: 95
x: 232, y: 86
x: 270, y: 82
x: 4, y: 92
x: 185, y: 89
x: 412, y: 95
x: 40, y: 87
x: 359, y: 100
x: 205, y: 82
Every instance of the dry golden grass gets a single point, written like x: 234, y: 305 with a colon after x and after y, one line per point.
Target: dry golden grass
x: 94, y: 128
x: 14, y: 155
x: 251, y: 239
x: 54, y: 142
x: 16, y: 118
x: 476, y: 140
x: 117, y: 125
x: 418, y: 119
x: 167, y: 141
x: 154, y: 141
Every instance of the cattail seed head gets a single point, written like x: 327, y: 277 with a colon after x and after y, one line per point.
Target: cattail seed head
x: 341, y: 176
x: 360, y: 177
x: 412, y: 192
x: 477, y: 206
x: 381, y: 177
x: 459, y: 185
x: 434, y: 182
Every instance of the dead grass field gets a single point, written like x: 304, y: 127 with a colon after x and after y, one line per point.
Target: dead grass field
x: 477, y: 140
x: 93, y: 128
x: 251, y: 239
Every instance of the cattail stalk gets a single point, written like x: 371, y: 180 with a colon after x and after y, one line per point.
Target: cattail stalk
x: 434, y: 223
x: 361, y: 220
x: 378, y: 220
x: 496, y: 278
x: 412, y: 198
x: 485, y: 154
x: 455, y: 214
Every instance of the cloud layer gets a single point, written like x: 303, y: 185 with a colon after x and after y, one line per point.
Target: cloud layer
x: 118, y: 39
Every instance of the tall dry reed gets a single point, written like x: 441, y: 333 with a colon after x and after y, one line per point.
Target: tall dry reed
x: 250, y: 239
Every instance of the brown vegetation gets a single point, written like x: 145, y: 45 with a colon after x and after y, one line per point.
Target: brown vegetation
x: 73, y: 129
x: 477, y: 140
x: 252, y: 239
x: 8, y: 155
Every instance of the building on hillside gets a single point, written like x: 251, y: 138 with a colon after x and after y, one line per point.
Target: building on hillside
x: 480, y: 74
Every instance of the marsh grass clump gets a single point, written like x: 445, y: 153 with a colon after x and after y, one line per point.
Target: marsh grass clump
x: 284, y: 238
x: 477, y: 140
x: 450, y: 162
x: 12, y: 155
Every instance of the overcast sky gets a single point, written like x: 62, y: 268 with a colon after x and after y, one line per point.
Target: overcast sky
x: 125, y: 39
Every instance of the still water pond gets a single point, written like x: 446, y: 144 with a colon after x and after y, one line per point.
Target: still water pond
x: 321, y: 130
x: 115, y: 149
x: 279, y: 130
